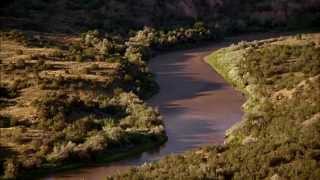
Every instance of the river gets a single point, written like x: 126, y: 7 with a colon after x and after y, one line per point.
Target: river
x: 197, y: 105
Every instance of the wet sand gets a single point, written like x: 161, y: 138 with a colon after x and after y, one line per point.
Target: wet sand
x: 197, y: 105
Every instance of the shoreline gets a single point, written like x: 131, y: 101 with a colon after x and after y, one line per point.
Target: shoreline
x: 105, y: 159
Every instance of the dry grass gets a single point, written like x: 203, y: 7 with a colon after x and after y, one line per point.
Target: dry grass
x: 21, y: 108
x: 55, y: 106
x: 13, y: 52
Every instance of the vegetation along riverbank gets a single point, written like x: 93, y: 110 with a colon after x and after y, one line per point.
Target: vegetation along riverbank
x: 66, y: 98
x: 278, y: 137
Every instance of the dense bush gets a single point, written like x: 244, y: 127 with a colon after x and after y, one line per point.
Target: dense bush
x: 279, y: 66
x: 11, y: 169
x: 104, y: 45
x: 83, y: 128
x: 7, y: 92
x: 6, y: 121
x: 179, y: 37
x: 14, y: 35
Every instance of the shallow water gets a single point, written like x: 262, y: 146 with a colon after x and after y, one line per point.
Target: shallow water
x: 197, y: 105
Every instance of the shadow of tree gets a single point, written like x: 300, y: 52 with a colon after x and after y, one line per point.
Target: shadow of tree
x: 5, y: 152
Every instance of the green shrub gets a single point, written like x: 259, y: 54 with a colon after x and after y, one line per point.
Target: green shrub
x: 7, y: 92
x: 20, y: 63
x: 6, y: 121
x: 11, y: 169
x: 14, y: 35
x: 61, y: 152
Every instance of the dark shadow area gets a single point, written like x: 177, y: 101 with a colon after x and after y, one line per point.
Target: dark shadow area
x: 5, y: 153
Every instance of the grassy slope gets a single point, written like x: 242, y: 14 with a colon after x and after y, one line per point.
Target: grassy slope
x: 278, y: 137
x: 54, y: 109
x: 77, y: 98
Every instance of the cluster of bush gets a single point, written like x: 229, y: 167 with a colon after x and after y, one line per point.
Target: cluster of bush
x: 13, y: 35
x: 94, y: 46
x: 7, y: 92
x: 22, y: 65
x: 139, y: 46
x: 83, y: 129
x: 145, y: 43
x: 289, y: 65
x: 134, y: 53
x: 6, y: 121
x: 150, y: 39
x: 76, y: 82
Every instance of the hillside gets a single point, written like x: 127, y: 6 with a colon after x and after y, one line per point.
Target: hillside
x: 58, y: 105
x: 70, y: 16
x: 68, y: 97
x: 278, y: 137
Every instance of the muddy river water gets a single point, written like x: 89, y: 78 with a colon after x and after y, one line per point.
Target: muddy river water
x: 197, y: 105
